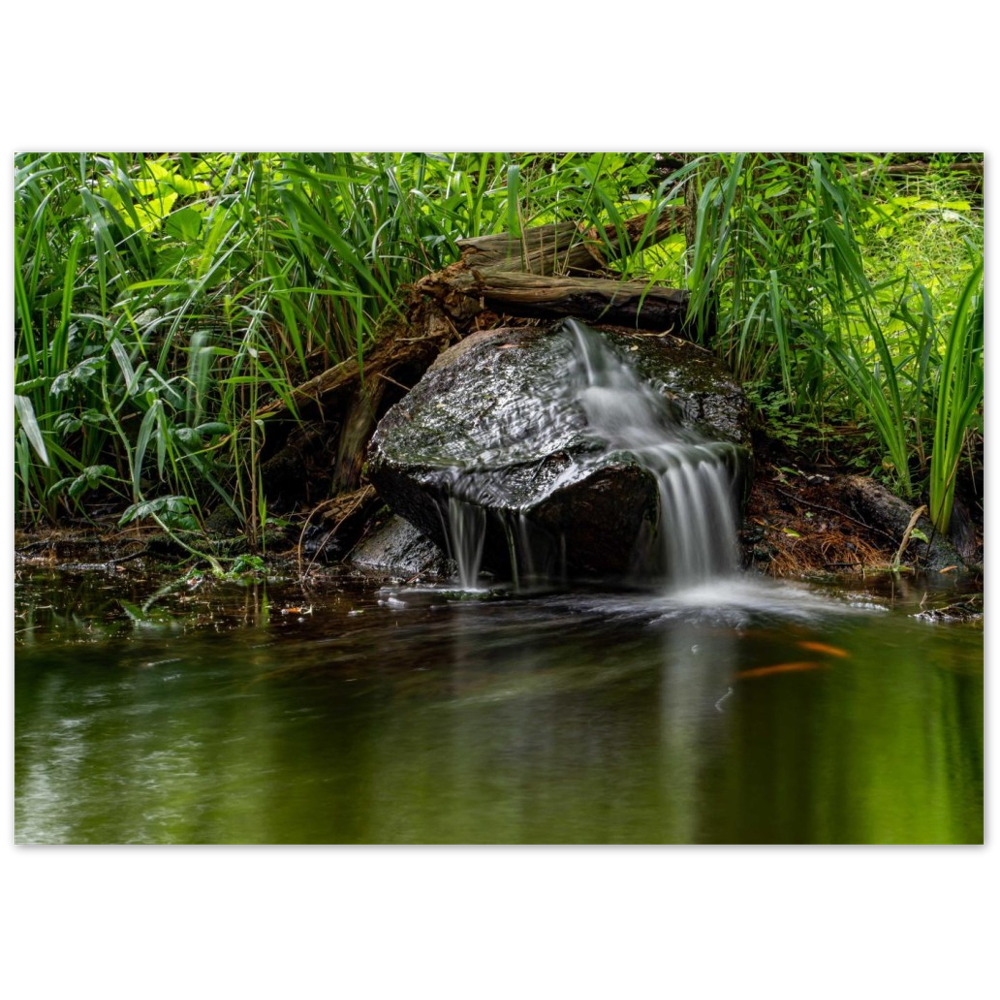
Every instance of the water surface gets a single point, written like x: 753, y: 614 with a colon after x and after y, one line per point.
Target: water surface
x: 407, y: 716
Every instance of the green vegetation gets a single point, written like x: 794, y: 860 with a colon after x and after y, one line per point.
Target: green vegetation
x: 844, y: 293
x: 161, y: 299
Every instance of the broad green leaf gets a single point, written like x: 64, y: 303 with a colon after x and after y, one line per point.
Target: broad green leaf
x: 89, y: 478
x: 159, y: 172
x: 172, y: 510
x: 185, y: 224
x: 185, y: 187
x: 212, y: 428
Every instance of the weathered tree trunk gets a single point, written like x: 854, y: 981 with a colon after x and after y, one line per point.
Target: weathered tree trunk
x: 560, y: 248
x: 600, y: 300
x: 568, y: 247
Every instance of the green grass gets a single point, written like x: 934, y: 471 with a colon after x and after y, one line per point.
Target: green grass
x: 834, y: 293
x: 161, y: 299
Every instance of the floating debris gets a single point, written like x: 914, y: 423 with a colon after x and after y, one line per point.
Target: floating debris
x: 968, y: 610
x: 718, y: 704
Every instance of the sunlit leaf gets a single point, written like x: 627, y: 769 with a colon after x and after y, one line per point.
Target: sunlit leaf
x: 25, y: 412
x: 185, y: 224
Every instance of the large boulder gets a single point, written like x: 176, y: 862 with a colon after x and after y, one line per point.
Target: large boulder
x: 514, y: 439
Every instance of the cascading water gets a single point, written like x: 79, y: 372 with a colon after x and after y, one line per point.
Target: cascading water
x: 693, y: 537
x: 466, y: 532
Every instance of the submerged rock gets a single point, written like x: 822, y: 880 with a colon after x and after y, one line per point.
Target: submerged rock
x: 552, y: 450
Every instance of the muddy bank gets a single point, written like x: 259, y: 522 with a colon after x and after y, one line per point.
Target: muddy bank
x: 810, y: 523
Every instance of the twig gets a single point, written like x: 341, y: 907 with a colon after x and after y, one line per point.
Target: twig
x: 906, y: 536
x: 302, y: 533
x: 134, y: 555
x: 405, y: 388
x: 53, y: 541
x: 364, y: 494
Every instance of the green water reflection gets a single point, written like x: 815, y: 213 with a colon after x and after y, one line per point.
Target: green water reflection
x: 561, y: 719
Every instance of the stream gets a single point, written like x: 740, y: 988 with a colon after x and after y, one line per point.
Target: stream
x: 737, y: 711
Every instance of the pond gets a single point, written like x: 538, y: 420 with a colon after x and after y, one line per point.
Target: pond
x: 739, y: 712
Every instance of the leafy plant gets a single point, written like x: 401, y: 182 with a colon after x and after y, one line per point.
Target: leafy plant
x: 161, y: 300
x: 959, y: 394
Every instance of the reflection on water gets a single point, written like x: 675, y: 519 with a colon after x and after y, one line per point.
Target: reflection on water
x: 407, y: 716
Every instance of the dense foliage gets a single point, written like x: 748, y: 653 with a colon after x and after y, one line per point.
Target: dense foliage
x: 161, y: 298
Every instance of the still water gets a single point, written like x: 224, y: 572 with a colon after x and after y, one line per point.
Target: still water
x: 366, y: 715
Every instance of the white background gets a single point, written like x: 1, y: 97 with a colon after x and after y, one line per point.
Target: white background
x: 479, y: 931
x: 723, y: 69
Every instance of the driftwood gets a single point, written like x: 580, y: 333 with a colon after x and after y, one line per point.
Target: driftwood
x: 599, y: 300
x: 920, y: 167
x: 560, y: 248
x: 568, y: 247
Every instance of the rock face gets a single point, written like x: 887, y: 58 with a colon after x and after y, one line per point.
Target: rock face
x: 533, y: 446
x: 399, y: 549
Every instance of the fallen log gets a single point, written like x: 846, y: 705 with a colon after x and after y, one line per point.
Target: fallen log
x: 600, y: 300
x: 559, y: 248
x: 921, y: 167
x: 568, y: 247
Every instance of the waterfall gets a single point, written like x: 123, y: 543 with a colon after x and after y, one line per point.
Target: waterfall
x: 465, y: 531
x: 693, y: 538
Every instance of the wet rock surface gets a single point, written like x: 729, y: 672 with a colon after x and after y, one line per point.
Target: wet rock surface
x: 496, y: 424
x: 707, y: 393
x: 399, y: 549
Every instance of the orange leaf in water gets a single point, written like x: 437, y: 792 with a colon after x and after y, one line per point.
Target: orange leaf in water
x: 780, y: 668
x: 822, y: 647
